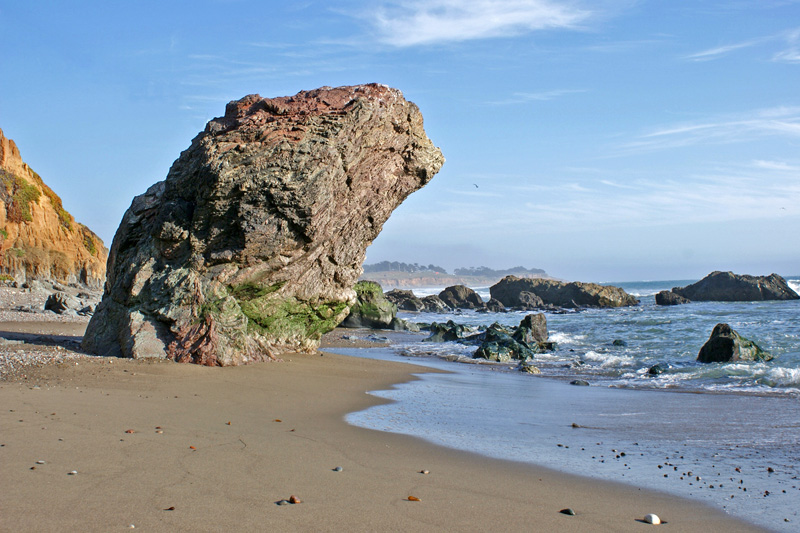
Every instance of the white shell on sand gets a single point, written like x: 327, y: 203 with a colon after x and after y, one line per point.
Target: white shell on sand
x: 652, y: 519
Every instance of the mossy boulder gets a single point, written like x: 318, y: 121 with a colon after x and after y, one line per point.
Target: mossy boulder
x: 371, y: 309
x: 725, y: 345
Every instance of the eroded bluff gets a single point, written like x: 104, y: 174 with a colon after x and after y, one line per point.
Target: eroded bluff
x: 252, y: 244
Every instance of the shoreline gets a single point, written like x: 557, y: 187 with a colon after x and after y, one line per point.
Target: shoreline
x: 236, y: 473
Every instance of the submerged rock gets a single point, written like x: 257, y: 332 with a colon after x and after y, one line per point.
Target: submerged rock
x: 510, y: 289
x: 725, y: 345
x: 252, y: 244
x: 730, y: 287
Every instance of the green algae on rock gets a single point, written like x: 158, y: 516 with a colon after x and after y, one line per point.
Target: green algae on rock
x: 251, y: 246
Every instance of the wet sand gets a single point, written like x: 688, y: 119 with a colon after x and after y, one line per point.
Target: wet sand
x: 167, y: 447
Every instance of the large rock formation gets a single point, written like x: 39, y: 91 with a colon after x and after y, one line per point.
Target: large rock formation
x: 39, y: 239
x: 252, y: 244
x: 511, y: 291
x: 730, y: 287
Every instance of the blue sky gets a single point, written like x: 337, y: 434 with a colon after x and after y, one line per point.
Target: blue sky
x: 609, y: 140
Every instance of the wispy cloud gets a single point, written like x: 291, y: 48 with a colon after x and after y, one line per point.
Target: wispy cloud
x: 790, y: 39
x: 780, y: 121
x: 791, y: 54
x: 523, y: 97
x: 715, y: 53
x: 405, y: 23
x: 775, y: 165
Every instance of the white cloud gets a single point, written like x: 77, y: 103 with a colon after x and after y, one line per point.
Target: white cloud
x: 417, y: 22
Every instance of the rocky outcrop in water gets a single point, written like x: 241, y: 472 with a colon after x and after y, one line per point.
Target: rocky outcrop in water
x: 461, y: 297
x: 725, y: 345
x: 511, y: 291
x: 730, y: 287
x: 252, y: 244
x: 670, y: 298
x: 39, y: 239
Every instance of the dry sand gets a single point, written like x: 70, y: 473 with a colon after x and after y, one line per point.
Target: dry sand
x: 167, y: 447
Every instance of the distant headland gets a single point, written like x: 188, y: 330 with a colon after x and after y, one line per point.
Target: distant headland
x: 399, y: 275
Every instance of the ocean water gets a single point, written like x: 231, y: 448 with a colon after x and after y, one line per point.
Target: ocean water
x: 667, y: 335
x: 728, y: 434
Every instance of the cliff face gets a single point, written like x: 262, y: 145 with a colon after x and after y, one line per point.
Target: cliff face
x: 252, y: 244
x: 39, y: 239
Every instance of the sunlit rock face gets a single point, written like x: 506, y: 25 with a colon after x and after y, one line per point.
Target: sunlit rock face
x: 252, y: 244
x: 39, y: 239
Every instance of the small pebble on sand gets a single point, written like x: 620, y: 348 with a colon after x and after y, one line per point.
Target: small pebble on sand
x: 337, y: 469
x: 652, y: 519
x: 568, y: 511
x: 72, y: 472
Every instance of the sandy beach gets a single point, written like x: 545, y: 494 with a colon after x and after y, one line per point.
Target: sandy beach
x: 167, y: 447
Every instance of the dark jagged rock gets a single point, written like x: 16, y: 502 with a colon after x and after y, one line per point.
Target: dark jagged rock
x: 461, y: 297
x: 495, y: 306
x: 657, y: 369
x: 449, y: 331
x: 725, y: 345
x: 730, y: 287
x: 527, y: 339
x: 670, y: 298
x: 371, y: 309
x: 532, y: 330
x: 567, y: 295
x: 252, y: 244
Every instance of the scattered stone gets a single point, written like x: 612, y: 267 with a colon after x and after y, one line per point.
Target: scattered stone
x: 282, y: 502
x: 424, y: 471
x: 527, y: 366
x: 337, y: 469
x: 568, y: 511
x: 579, y: 382
x: 413, y: 499
x: 72, y: 472
x: 657, y: 369
x: 39, y: 462
x: 619, y: 342
x: 294, y: 499
x: 652, y: 519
